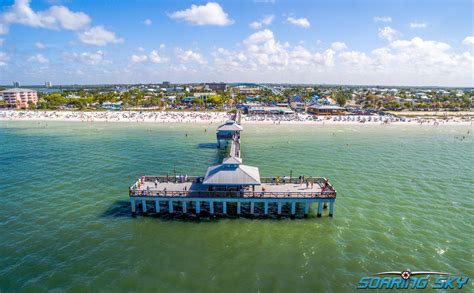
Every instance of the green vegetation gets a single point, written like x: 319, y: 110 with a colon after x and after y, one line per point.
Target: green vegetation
x: 404, y: 99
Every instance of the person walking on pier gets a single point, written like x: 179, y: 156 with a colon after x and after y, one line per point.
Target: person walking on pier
x: 156, y: 183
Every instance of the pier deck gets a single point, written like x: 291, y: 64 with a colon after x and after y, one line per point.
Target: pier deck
x: 321, y: 188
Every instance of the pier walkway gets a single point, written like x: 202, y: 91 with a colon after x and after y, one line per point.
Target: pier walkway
x: 231, y: 183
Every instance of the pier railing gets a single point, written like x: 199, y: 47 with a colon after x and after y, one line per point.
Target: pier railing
x: 327, y: 189
x: 274, y: 180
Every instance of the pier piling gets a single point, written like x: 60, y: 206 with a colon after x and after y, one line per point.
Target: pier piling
x: 320, y: 208
x: 144, y: 206
x: 224, y: 207
x: 157, y: 206
x: 134, y: 207
x: 211, y: 207
x: 198, y: 207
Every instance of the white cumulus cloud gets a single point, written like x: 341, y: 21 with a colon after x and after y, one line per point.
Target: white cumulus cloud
x: 138, y: 58
x: 469, y: 40
x: 56, y: 17
x: 387, y: 33
x: 210, y: 14
x: 260, y: 36
x: 155, y: 57
x: 39, y: 58
x: 265, y: 21
x: 39, y: 45
x: 338, y: 46
x: 382, y: 19
x: 91, y: 58
x: 302, y: 22
x: 99, y: 36
x: 190, y: 56
x: 417, y: 24
x: 4, y: 58
x: 147, y: 22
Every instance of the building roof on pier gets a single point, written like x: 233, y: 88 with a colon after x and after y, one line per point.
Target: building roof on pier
x: 232, y: 175
x: 230, y: 126
x: 232, y: 160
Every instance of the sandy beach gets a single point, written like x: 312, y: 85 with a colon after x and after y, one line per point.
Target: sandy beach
x: 220, y: 117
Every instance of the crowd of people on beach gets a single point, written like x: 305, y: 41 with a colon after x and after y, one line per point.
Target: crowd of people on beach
x: 341, y: 119
x: 116, y: 116
x: 220, y: 117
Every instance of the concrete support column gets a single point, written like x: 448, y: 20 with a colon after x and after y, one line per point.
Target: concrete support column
x: 170, y: 206
x: 211, y: 207
x: 224, y: 207
x: 134, y: 207
x: 238, y: 208
x: 293, y: 208
x: 185, y: 207
x: 320, y: 208
x: 306, y: 209
x: 157, y: 206
x: 252, y: 207
x: 279, y: 208
x: 265, y: 208
x: 331, y: 208
x: 198, y: 207
x: 144, y: 206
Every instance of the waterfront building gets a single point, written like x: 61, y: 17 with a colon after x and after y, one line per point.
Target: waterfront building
x: 16, y: 84
x: 275, y: 110
x: 112, y: 105
x: 19, y: 98
x: 220, y: 86
x: 325, y: 110
x: 48, y: 84
x: 203, y: 96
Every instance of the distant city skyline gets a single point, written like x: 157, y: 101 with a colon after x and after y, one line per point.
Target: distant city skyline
x: 367, y: 42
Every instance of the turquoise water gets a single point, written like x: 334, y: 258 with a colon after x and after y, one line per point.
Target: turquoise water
x: 404, y: 201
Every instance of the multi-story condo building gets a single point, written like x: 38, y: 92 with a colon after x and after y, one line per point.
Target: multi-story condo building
x: 19, y: 98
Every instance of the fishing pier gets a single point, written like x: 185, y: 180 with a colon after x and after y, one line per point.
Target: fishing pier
x: 232, y: 188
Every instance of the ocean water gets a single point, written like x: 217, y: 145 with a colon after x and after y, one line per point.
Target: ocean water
x: 405, y: 200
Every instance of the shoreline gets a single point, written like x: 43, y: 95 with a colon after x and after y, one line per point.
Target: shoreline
x: 221, y: 117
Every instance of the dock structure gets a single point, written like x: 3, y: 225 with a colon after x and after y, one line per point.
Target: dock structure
x: 232, y: 188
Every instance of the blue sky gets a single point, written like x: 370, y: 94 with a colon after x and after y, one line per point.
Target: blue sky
x: 344, y: 42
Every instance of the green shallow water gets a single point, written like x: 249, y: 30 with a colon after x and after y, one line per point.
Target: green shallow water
x: 404, y: 201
